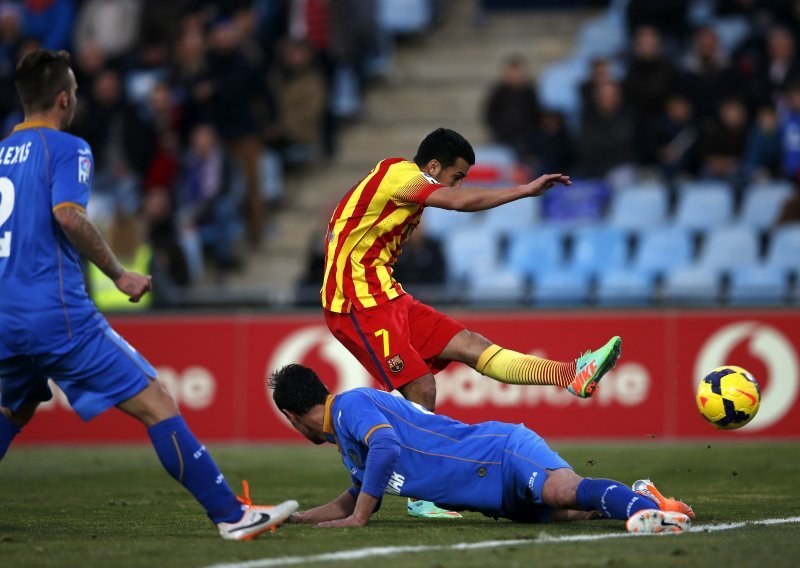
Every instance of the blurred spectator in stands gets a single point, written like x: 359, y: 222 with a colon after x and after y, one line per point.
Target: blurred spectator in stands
x: 112, y: 25
x: 512, y: 111
x: 606, y: 135
x: 301, y: 93
x: 354, y: 42
x: 49, y: 21
x: 789, y: 125
x: 188, y: 76
x: 10, y: 38
x: 161, y: 125
x: 674, y: 140
x: 126, y: 237
x: 779, y: 67
x: 600, y: 71
x: 230, y: 91
x: 724, y: 141
x: 169, y: 253
x: 88, y: 62
x: 210, y: 201
x: 647, y: 83
x: 669, y: 17
x: 707, y: 75
x: 762, y: 156
x: 159, y: 26
x: 121, y: 149
x: 549, y: 147
x: 423, y: 263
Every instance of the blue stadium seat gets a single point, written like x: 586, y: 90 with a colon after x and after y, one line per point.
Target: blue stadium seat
x: 439, y: 222
x: 599, y: 248
x: 402, y: 17
x: 495, y: 157
x: 759, y: 284
x: 701, y: 209
x: 694, y: 284
x: 639, y: 208
x: 663, y: 249
x: 703, y: 185
x: 784, y: 248
x: 497, y: 285
x: 558, y: 86
x: 536, y: 251
x: 763, y: 204
x: 515, y: 216
x: 469, y: 252
x: 561, y: 287
x: 624, y: 287
x: 601, y: 37
x: 728, y: 248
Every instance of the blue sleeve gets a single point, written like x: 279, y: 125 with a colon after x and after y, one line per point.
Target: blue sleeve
x: 354, y: 492
x: 357, y: 416
x: 384, y: 451
x: 71, y: 172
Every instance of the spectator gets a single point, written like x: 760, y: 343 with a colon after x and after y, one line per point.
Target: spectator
x: 600, y: 71
x: 762, y: 157
x: 512, y: 111
x: 780, y: 66
x: 674, y: 141
x: 549, y: 147
x: 605, y: 140
x: 724, y: 142
x: 210, y: 202
x: 49, y: 21
x: 707, y: 75
x: 422, y: 263
x: 301, y: 93
x: 10, y: 39
x: 112, y: 25
x: 789, y: 125
x: 669, y: 17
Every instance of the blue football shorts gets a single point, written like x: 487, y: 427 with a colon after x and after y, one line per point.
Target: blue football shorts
x: 525, y: 465
x: 98, y: 371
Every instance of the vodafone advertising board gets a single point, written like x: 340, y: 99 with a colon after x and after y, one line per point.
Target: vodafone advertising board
x: 216, y: 368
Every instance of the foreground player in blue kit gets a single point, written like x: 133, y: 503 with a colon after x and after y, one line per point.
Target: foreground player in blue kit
x: 390, y: 445
x: 49, y: 328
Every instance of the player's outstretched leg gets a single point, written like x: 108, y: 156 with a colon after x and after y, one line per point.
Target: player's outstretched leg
x: 645, y: 487
x: 580, y: 377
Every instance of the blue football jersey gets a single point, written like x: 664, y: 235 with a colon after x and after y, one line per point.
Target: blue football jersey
x: 456, y: 465
x: 43, y: 299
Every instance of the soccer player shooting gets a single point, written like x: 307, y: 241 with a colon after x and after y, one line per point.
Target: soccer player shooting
x: 390, y: 445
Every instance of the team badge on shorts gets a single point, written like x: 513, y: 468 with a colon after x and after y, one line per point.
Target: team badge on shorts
x: 395, y: 364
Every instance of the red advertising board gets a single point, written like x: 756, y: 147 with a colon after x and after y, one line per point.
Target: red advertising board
x: 216, y: 367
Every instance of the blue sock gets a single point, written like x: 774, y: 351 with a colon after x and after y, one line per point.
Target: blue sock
x: 611, y: 499
x: 7, y: 432
x: 188, y: 461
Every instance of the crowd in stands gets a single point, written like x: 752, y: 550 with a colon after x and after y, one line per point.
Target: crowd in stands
x: 196, y: 109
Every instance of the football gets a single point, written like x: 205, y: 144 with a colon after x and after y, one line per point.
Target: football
x: 728, y: 397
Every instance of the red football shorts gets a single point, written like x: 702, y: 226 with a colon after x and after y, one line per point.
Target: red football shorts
x: 397, y: 341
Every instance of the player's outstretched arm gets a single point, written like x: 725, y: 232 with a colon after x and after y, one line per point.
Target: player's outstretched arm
x: 85, y: 237
x: 364, y: 507
x: 480, y: 199
x: 340, y: 508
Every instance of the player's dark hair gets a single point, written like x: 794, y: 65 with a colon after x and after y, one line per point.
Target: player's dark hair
x: 297, y: 389
x: 446, y: 146
x: 40, y: 77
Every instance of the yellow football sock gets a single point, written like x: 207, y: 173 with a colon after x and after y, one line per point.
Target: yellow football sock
x: 515, y: 368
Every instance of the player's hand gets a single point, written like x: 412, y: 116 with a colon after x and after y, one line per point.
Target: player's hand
x: 540, y: 185
x: 351, y: 521
x: 134, y: 285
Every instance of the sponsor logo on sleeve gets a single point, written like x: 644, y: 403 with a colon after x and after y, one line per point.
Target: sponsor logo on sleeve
x: 84, y: 168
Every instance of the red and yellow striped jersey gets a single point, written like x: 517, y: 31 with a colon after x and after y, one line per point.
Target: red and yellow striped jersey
x: 366, y: 231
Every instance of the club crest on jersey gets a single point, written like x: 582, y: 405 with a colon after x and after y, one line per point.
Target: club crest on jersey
x: 395, y: 364
x: 84, y: 169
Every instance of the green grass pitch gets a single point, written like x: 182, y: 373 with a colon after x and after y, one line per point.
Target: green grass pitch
x: 100, y: 506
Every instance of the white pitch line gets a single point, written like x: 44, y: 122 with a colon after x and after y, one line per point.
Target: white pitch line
x: 361, y: 553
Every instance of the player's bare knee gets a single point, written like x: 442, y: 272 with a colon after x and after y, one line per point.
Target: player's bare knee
x: 422, y: 391
x: 466, y: 347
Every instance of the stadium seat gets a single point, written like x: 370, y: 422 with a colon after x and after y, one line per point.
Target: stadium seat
x: 439, y: 222
x: 536, y: 251
x: 663, y: 249
x: 758, y: 284
x: 496, y: 284
x: 763, y: 204
x: 703, y: 185
x: 639, y: 208
x: 561, y: 287
x: 691, y: 285
x: 516, y: 216
x: 595, y: 249
x: 469, y: 252
x: 700, y: 209
x: 624, y: 287
x: 784, y: 248
x: 494, y: 164
x: 728, y: 248
x: 558, y: 86
x: 404, y: 17
x: 601, y: 37
x: 731, y: 31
